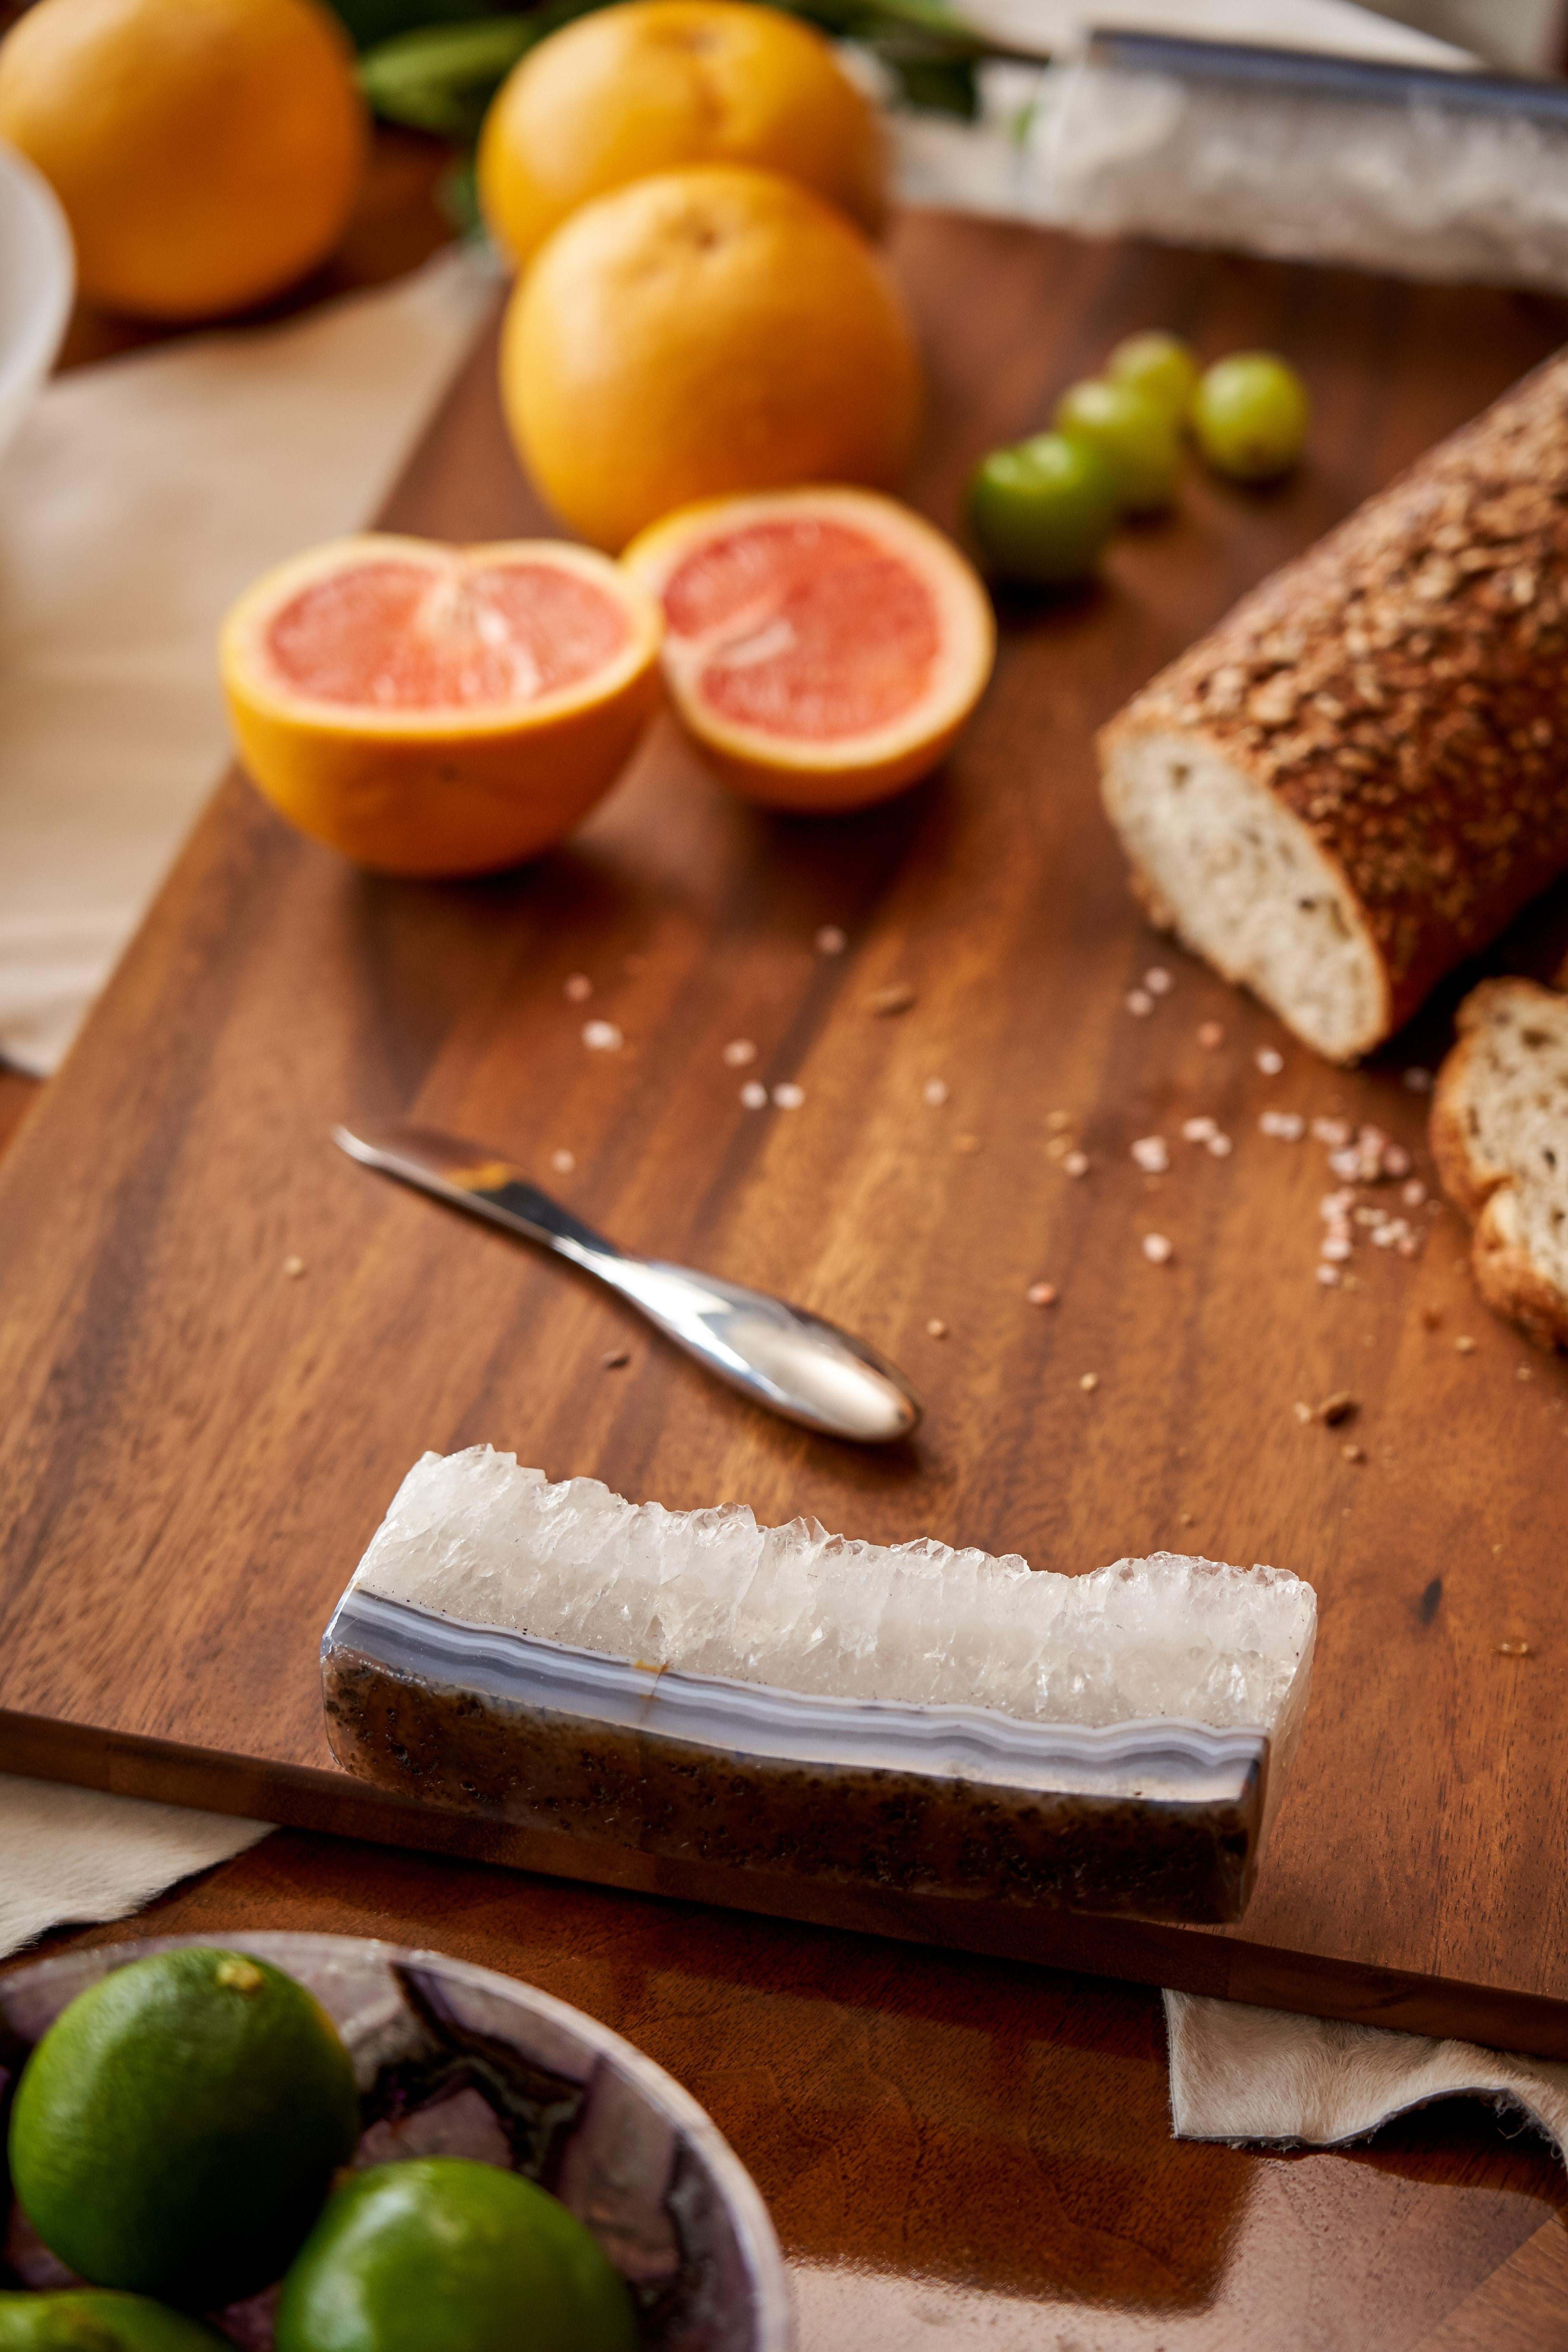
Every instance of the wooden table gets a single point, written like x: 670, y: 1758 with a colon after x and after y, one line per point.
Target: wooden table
x: 955, y: 2149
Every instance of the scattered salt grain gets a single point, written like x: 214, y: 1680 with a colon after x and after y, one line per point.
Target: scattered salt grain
x: 1346, y: 1164
x: 1152, y: 1155
x: 1415, y: 1193
x: 935, y: 1328
x: 1286, y: 1125
x: 1354, y: 1453
x: 1075, y: 1164
x: 1089, y: 1382
x: 1157, y: 1249
x: 1269, y: 1061
x: 1157, y: 981
x: 789, y: 1095
x: 753, y: 1095
x: 293, y: 1268
x: 1395, y: 1159
x: 1199, y: 1131
x: 1328, y: 1275
x: 935, y: 1092
x: 1418, y: 1081
x: 1335, y: 1249
x: 563, y: 1162
x: 602, y: 1037
x: 1220, y: 1146
x: 1334, y: 1206
x: 579, y: 988
x: 830, y: 940
x: 1522, y: 1372
x: 1042, y: 1294
x: 1465, y: 1345
x: 738, y: 1053
x: 1335, y: 1132
x: 1140, y: 1002
x: 1211, y: 1034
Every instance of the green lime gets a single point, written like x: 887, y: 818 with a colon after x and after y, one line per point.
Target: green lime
x: 1044, y: 510
x: 177, y: 2128
x: 1136, y: 438
x: 1159, y: 364
x: 444, y: 2255
x: 84, y: 2320
x: 1251, y: 414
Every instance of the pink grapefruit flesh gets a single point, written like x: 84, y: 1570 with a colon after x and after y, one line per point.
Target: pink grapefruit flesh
x: 824, y: 647
x: 400, y: 636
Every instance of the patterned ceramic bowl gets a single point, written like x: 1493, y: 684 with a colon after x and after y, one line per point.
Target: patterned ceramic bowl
x: 453, y: 2060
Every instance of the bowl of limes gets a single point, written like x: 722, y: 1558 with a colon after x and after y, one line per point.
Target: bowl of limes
x: 298, y: 2143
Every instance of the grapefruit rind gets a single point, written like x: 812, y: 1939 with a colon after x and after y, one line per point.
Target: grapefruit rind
x: 438, y: 790
x: 848, y: 770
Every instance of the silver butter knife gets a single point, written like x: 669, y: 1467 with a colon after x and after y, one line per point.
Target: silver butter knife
x: 778, y: 1355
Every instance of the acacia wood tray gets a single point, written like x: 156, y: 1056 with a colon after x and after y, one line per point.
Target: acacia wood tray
x: 196, y: 1445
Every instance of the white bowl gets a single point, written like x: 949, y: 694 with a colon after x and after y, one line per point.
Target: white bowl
x: 37, y: 279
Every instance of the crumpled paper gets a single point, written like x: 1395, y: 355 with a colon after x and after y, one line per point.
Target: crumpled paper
x: 68, y: 1856
x: 139, y: 496
x: 1243, y: 2074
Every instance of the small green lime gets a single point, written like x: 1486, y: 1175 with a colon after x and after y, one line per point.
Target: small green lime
x: 444, y: 2255
x: 1043, y: 511
x: 82, y: 2319
x: 1159, y: 364
x: 1136, y: 438
x: 177, y: 2128
x: 1251, y: 414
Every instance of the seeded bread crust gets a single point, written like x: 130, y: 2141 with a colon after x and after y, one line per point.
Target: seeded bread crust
x: 1400, y: 692
x: 1508, y: 1275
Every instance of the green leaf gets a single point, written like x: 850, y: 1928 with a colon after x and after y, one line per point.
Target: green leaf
x: 442, y: 78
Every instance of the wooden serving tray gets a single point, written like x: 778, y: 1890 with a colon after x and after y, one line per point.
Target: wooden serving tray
x: 196, y: 1446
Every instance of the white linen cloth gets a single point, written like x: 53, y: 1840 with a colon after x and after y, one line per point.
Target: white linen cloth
x: 71, y: 1854
x: 1242, y: 2073
x: 139, y: 497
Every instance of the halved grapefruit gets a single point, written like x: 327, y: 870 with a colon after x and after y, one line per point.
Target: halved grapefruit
x: 430, y: 709
x: 824, y: 646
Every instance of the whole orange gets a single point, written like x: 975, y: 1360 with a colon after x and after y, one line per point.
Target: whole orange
x: 653, y: 84
x: 700, y: 333
x: 206, y: 152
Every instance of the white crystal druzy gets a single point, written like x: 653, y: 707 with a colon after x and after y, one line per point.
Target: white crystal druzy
x: 477, y: 1537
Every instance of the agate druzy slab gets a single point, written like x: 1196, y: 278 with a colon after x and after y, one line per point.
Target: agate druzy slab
x: 781, y: 1700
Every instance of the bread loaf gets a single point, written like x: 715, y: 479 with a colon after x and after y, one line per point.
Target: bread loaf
x: 1499, y: 1136
x: 1362, y: 773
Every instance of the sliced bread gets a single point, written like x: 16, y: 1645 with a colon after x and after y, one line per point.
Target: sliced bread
x: 1499, y: 1136
x: 1360, y: 775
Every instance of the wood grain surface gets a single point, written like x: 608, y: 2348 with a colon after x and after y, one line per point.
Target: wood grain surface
x: 197, y: 1446
x: 969, y: 2154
